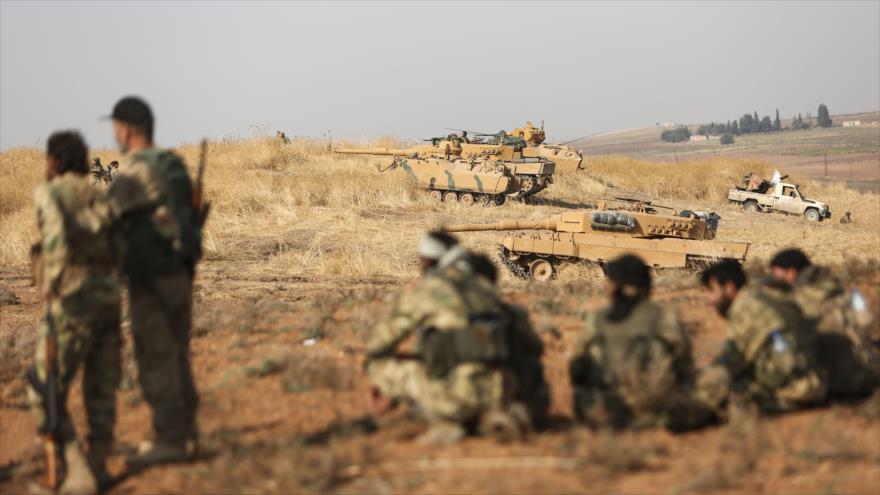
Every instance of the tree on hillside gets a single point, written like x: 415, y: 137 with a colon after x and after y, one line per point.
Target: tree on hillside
x: 777, y: 124
x: 746, y: 124
x: 677, y: 135
x: 824, y: 120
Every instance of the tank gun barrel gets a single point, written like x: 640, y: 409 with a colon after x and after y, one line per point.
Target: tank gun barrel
x: 542, y: 224
x: 374, y: 151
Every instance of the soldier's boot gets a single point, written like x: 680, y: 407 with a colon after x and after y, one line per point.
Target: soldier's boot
x: 97, y: 458
x: 160, y: 452
x: 500, y: 425
x: 442, y: 433
x: 520, y: 413
x: 79, y: 479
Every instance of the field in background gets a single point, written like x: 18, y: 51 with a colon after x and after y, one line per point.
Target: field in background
x: 851, y: 153
x: 305, y: 251
x: 299, y: 210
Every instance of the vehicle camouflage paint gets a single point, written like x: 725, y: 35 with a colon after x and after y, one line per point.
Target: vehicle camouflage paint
x: 482, y: 179
x: 567, y: 159
x: 594, y: 237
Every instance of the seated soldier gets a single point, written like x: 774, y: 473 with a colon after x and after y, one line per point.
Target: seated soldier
x: 841, y: 317
x: 532, y: 395
x: 770, y: 354
x: 443, y: 348
x: 632, y: 365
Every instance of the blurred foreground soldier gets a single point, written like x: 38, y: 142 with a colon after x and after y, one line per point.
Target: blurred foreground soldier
x: 841, y: 317
x: 846, y: 218
x: 443, y: 348
x: 632, y: 365
x: 771, y: 349
x: 152, y: 198
x: 532, y: 392
x: 76, y: 274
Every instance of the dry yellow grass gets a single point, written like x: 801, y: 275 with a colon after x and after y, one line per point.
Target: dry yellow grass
x: 298, y: 210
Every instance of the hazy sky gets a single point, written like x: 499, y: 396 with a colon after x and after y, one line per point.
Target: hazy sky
x: 365, y: 69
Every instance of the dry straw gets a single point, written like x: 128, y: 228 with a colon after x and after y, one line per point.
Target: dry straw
x: 297, y: 209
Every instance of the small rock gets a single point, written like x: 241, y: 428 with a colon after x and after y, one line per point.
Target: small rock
x: 8, y: 298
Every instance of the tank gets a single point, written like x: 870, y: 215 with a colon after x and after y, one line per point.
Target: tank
x: 594, y: 237
x: 567, y: 159
x: 480, y: 178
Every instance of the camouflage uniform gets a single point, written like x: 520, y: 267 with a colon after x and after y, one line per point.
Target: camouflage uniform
x: 151, y: 198
x: 526, y: 348
x: 635, y: 372
x: 446, y: 300
x: 852, y: 363
x: 770, y: 353
x: 76, y: 264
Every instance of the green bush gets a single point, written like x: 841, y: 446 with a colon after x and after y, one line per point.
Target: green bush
x: 726, y: 138
x: 677, y: 135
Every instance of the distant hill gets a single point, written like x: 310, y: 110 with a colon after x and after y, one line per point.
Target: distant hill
x: 850, y: 152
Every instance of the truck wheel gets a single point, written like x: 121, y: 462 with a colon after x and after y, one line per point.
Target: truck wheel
x: 541, y: 270
x: 751, y: 207
x: 812, y: 215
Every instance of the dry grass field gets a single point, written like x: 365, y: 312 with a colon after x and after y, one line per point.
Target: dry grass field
x: 303, y: 245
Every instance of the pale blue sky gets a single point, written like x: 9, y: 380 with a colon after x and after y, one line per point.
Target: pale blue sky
x: 364, y: 69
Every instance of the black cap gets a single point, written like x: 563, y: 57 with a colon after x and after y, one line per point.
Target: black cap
x: 629, y: 270
x: 790, y: 258
x: 133, y: 110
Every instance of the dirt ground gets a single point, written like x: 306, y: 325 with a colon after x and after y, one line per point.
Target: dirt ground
x: 280, y: 415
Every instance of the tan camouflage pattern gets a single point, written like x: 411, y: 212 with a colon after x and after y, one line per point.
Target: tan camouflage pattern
x: 135, y: 186
x: 655, y: 391
x: 851, y: 361
x: 76, y: 254
x: 78, y: 270
x: 748, y: 366
x: 440, y: 301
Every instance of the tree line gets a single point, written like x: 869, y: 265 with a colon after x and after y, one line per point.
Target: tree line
x: 747, y: 124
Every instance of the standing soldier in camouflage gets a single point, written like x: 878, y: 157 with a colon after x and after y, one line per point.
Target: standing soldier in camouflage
x: 151, y: 198
x: 632, y: 366
x: 443, y: 349
x: 841, y: 317
x: 770, y: 356
x: 76, y: 274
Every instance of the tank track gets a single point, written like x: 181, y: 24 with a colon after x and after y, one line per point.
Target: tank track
x: 512, y: 266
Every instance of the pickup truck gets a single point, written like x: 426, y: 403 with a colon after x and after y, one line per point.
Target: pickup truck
x: 783, y: 198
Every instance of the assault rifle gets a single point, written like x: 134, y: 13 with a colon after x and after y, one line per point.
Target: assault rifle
x: 200, y: 207
x: 48, y: 390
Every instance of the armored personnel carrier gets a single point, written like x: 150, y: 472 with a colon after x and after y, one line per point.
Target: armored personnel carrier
x: 482, y: 179
x: 595, y: 237
x: 567, y: 158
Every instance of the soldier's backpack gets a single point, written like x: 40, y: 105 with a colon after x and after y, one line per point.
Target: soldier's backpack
x: 787, y: 353
x: 485, y: 339
x: 847, y: 353
x: 168, y: 236
x: 634, y: 365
